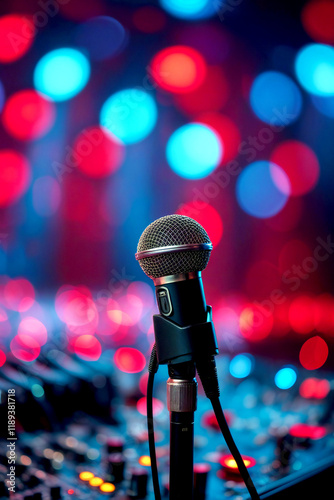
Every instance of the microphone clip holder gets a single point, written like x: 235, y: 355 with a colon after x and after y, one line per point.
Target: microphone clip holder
x: 176, y: 344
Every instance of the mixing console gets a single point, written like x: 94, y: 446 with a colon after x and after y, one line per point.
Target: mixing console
x: 81, y: 430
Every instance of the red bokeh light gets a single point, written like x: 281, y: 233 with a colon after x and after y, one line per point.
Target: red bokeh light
x: 324, y: 314
x: 211, y: 95
x: 313, y: 353
x: 17, y: 34
x: 129, y: 360
x: 227, y: 131
x: 76, y: 308
x: 300, y: 164
x: 19, y: 295
x: 210, y: 421
x: 97, y: 152
x: 5, y: 326
x: 34, y: 328
x: 207, y: 216
x: 318, y: 20
x: 87, y: 347
x: 178, y: 69
x: 228, y: 462
x: 158, y: 406
x: 143, y: 383
x: 301, y: 314
x: 314, y: 388
x: 14, y: 176
x: 28, y: 115
x: 2, y: 358
x: 308, y: 431
x: 25, y: 347
x: 255, y: 322
x: 149, y: 19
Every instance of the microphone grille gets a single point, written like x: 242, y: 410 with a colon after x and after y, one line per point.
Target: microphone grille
x: 173, y: 230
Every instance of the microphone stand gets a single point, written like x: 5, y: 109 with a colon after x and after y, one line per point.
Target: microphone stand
x: 181, y: 403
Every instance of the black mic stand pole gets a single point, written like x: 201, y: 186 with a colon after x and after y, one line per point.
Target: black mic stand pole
x: 181, y: 403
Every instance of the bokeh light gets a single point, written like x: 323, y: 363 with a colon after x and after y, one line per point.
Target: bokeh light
x: 211, y: 95
x: 260, y: 189
x: 301, y: 314
x: 227, y: 131
x: 318, y: 20
x: 2, y: 358
x: 17, y: 33
x: 315, y: 388
x: 158, y: 406
x: 286, y: 377
x: 241, y: 365
x: 315, y: 69
x: 62, y: 73
x: 77, y: 310
x: 97, y: 152
x: 308, y: 431
x: 102, y: 37
x: 33, y: 328
x: 14, y: 176
x: 255, y: 322
x: 313, y: 353
x: 178, y: 69
x: 275, y: 98
x: 299, y: 163
x: 190, y: 9
x: 28, y: 115
x: 87, y: 347
x: 228, y: 462
x: 46, y: 195
x: 25, y: 348
x: 19, y: 294
x: 207, y: 216
x: 130, y: 114
x: 149, y: 19
x: 129, y: 360
x: 194, y: 151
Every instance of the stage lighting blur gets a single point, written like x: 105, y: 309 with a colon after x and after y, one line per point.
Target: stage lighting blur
x: 318, y: 20
x: 262, y: 189
x: 299, y: 163
x: 14, y: 176
x: 129, y: 360
x: 313, y: 353
x: 286, y: 377
x: 17, y: 33
x: 34, y: 328
x: 315, y: 69
x: 275, y: 98
x: 62, y: 73
x: 46, y: 196
x: 241, y: 365
x: 102, y: 37
x: 178, y: 69
x: 227, y: 131
x: 207, y: 216
x: 87, y: 347
x: 190, y: 9
x: 28, y: 115
x: 2, y: 358
x: 194, y: 151
x: 324, y: 104
x: 130, y: 114
x: 25, y: 348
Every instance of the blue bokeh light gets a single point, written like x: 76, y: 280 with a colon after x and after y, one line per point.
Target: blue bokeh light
x: 285, y: 377
x: 103, y: 37
x: 191, y: 9
x: 262, y: 189
x: 241, y: 365
x: 315, y: 69
x: 193, y: 151
x: 275, y: 98
x: 129, y: 114
x: 62, y: 73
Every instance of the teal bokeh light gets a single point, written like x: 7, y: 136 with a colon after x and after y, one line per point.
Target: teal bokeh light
x: 130, y: 115
x: 191, y: 9
x: 315, y: 69
x: 285, y: 377
x: 62, y: 73
x: 193, y: 151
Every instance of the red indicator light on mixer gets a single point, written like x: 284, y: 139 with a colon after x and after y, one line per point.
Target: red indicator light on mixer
x: 228, y: 462
x: 308, y: 431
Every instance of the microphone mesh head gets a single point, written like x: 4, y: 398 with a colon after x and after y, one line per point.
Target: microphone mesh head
x: 168, y: 231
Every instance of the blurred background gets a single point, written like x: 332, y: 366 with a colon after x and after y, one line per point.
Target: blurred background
x: 115, y: 113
